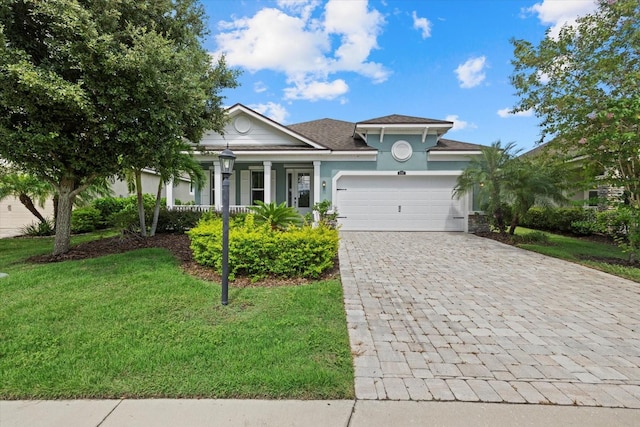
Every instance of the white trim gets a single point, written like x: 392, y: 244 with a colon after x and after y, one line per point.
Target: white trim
x: 267, y: 181
x: 316, y: 183
x: 217, y: 185
x: 169, y: 193
x: 278, y: 156
x: 451, y: 156
x: 376, y: 126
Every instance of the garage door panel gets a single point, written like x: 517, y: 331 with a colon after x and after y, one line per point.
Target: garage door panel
x: 402, y: 203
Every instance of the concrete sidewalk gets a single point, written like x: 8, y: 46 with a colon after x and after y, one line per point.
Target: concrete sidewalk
x: 361, y: 413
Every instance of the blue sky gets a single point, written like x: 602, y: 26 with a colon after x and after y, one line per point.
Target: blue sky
x: 355, y: 60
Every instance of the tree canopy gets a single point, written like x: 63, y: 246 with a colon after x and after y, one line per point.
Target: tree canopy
x: 89, y: 88
x: 584, y: 85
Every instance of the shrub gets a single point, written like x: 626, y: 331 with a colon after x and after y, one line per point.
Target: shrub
x: 326, y: 218
x: 584, y: 228
x: 108, y: 206
x: 555, y: 219
x: 39, y: 229
x: 614, y: 223
x: 259, y: 251
x: 85, y: 220
x: 173, y: 221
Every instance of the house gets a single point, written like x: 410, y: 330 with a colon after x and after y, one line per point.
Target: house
x: 590, y: 192
x: 14, y: 216
x: 183, y: 190
x: 389, y: 173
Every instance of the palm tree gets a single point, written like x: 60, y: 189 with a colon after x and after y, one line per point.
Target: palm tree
x: 277, y: 216
x: 487, y: 175
x: 533, y: 181
x: 25, y: 188
x: 171, y: 168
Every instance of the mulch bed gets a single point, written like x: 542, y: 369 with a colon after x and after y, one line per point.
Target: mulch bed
x: 178, y: 245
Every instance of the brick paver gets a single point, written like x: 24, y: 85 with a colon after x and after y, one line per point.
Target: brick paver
x: 451, y: 316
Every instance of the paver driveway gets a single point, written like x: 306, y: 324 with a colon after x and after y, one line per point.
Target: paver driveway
x: 452, y: 316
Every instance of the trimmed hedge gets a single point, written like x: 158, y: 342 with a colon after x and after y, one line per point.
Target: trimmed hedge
x: 258, y: 251
x: 555, y: 219
x: 85, y: 220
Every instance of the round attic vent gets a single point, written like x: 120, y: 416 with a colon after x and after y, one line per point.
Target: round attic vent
x: 242, y: 124
x: 401, y: 151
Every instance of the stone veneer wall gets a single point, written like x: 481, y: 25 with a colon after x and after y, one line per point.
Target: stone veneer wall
x: 478, y: 223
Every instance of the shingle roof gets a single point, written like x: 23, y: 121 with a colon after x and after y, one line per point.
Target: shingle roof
x: 336, y: 135
x: 397, y: 119
x: 451, y: 145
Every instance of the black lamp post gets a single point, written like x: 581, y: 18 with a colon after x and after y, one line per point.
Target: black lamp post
x: 226, y: 158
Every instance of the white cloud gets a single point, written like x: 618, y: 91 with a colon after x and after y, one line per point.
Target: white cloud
x: 471, y: 73
x: 459, y: 124
x: 316, y: 90
x: 558, y: 13
x: 421, y: 24
x: 302, y: 7
x: 289, y: 40
x: 507, y: 112
x: 259, y: 87
x: 275, y: 112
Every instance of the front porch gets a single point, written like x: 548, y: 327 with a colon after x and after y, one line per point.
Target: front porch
x: 297, y: 184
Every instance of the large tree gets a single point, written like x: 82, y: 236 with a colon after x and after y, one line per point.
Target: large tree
x: 89, y: 88
x: 584, y: 86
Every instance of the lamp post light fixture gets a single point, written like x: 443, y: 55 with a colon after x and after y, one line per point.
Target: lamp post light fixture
x: 226, y: 158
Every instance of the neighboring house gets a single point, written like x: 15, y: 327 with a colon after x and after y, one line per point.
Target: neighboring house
x: 182, y: 191
x: 14, y: 216
x: 390, y: 173
x: 589, y: 196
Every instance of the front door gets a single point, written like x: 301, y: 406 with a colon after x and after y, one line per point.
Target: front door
x: 300, y: 190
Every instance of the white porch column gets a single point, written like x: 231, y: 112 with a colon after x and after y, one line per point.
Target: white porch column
x: 316, y: 181
x: 169, y: 193
x: 267, y: 181
x: 217, y: 185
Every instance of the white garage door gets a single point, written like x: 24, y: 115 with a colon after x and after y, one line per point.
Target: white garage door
x: 399, y: 203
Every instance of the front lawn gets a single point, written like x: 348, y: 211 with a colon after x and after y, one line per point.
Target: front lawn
x: 135, y: 325
x: 601, y: 256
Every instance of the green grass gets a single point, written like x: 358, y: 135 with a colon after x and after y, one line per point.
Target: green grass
x: 134, y: 325
x: 573, y: 249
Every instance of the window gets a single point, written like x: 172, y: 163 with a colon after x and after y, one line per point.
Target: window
x: 192, y: 188
x: 593, y: 198
x: 257, y: 186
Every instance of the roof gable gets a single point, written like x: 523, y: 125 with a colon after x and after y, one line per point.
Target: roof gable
x: 248, y: 130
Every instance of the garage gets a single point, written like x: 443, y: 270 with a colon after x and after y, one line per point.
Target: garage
x: 387, y: 202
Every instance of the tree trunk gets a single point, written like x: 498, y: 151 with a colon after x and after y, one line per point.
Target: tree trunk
x: 28, y: 203
x: 156, y: 210
x: 62, y: 239
x: 56, y: 198
x: 143, y: 225
x: 514, y: 224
